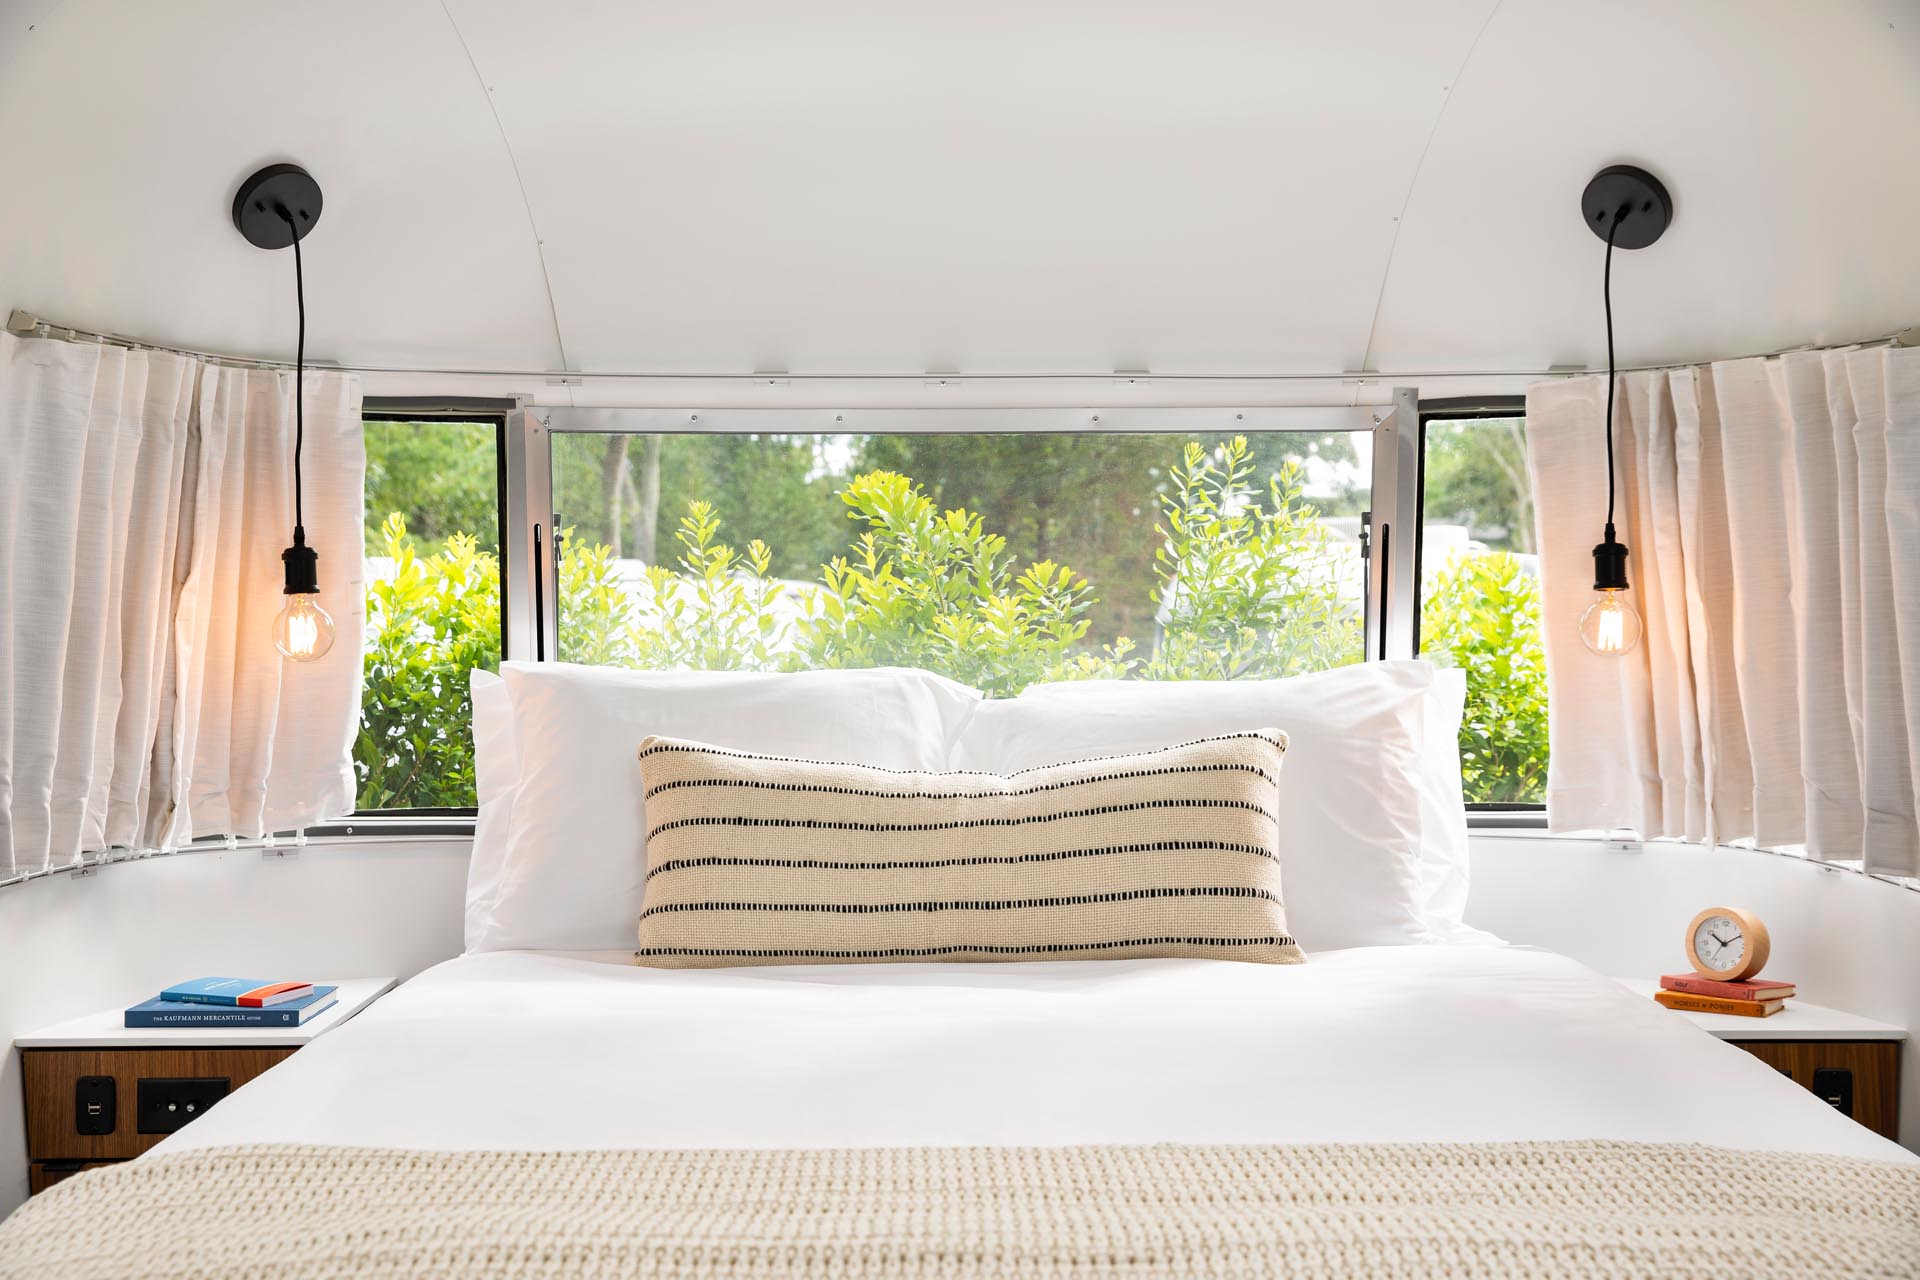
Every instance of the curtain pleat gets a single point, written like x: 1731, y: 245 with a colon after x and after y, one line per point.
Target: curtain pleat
x: 1772, y: 509
x: 146, y: 601
x: 1900, y: 409
x: 320, y: 701
x: 142, y: 513
x: 1888, y: 780
x: 1829, y: 765
x: 48, y: 426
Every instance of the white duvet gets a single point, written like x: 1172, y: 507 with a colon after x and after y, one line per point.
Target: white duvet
x: 547, y: 1051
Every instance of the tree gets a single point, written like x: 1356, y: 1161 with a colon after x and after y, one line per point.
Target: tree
x: 440, y: 477
x: 1477, y: 476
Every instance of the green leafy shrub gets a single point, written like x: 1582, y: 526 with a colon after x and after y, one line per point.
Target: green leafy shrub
x: 933, y: 589
x: 1483, y: 614
x: 1246, y: 586
x: 435, y: 620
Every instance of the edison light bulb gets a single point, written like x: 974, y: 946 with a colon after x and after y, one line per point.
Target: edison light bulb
x: 303, y: 631
x: 1610, y: 626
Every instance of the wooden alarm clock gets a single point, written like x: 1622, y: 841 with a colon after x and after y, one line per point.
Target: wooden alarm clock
x: 1727, y: 944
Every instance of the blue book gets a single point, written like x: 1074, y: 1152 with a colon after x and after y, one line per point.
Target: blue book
x: 244, y: 993
x: 177, y: 1013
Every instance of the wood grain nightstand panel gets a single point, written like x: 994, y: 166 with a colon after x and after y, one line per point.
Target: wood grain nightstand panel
x: 50, y: 1075
x: 1875, y: 1065
x: 42, y: 1176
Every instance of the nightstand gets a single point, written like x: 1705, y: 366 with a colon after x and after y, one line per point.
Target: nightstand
x: 84, y: 1078
x: 1850, y: 1061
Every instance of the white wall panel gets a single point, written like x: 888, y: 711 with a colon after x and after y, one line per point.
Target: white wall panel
x: 70, y: 945
x: 1850, y: 941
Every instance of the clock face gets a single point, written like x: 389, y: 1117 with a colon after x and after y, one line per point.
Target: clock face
x: 1719, y: 944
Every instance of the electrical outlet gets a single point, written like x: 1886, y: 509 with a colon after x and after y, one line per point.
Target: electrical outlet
x: 94, y: 1102
x: 164, y: 1105
x: 1834, y: 1086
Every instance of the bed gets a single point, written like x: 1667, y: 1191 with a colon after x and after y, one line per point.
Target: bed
x: 526, y: 1051
x: 1386, y: 1092
x: 1388, y: 1110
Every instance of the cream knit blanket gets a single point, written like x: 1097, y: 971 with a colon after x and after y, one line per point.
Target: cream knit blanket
x: 1557, y: 1210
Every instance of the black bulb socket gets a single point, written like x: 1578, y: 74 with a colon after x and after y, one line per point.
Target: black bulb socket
x: 303, y: 566
x: 1610, y: 564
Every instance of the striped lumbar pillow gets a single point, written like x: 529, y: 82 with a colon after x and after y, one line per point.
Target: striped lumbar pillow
x: 763, y: 860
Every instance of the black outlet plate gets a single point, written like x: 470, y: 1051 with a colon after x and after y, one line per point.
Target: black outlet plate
x: 1834, y: 1086
x: 165, y: 1104
x: 94, y: 1102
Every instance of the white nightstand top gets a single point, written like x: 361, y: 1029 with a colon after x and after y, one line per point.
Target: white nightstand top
x: 1798, y: 1021
x: 103, y: 1030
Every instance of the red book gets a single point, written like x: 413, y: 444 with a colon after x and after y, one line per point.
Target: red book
x: 1752, y: 989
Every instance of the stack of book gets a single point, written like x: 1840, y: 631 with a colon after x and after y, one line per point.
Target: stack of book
x: 1753, y: 998
x: 232, y: 1002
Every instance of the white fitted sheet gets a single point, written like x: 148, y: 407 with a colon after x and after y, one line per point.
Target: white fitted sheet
x: 551, y: 1051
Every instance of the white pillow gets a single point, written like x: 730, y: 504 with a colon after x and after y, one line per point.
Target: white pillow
x: 1444, y: 858
x: 496, y: 780
x: 570, y: 876
x: 1353, y: 790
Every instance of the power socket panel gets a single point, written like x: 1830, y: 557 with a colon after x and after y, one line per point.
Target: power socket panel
x: 94, y: 1104
x: 164, y: 1104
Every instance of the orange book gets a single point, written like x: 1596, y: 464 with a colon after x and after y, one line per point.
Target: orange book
x: 1713, y: 1004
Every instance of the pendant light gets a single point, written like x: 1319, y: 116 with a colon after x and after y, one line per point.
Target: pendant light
x: 1629, y: 209
x: 274, y: 208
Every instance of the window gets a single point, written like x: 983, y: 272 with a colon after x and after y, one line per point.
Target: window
x: 1480, y: 601
x: 433, y: 606
x: 997, y: 558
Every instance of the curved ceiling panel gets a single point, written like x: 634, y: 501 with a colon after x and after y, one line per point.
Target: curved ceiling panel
x: 126, y: 127
x: 1227, y: 186
x: 993, y: 187
x: 1783, y: 130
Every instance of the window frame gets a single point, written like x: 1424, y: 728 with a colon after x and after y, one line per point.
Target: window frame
x: 529, y: 557
x: 439, y: 820
x: 1390, y: 615
x: 1484, y: 815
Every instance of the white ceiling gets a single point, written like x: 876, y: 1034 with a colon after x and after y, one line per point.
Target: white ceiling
x: 1222, y: 186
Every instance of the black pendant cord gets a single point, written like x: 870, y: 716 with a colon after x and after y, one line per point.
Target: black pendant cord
x: 1606, y: 290
x: 300, y: 388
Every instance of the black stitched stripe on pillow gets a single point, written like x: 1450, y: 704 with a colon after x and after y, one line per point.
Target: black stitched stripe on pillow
x: 973, y: 860
x: 986, y: 904
x: 820, y: 824
x: 759, y: 785
x: 702, y: 749
x: 908, y: 953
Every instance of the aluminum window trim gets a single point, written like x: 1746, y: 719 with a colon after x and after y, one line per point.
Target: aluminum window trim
x: 1393, y: 428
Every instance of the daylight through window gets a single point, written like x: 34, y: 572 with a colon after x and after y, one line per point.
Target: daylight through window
x: 1001, y: 560
x: 433, y: 608
x: 1480, y: 603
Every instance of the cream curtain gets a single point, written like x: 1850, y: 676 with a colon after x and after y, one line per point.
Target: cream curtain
x: 144, y: 500
x: 1772, y: 511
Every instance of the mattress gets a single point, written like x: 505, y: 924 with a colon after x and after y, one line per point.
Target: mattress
x: 534, y: 1051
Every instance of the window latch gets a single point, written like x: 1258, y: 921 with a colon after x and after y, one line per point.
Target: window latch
x: 1366, y: 530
